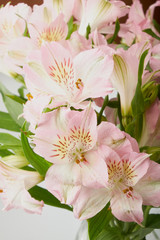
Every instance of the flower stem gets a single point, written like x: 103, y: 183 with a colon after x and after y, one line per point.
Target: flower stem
x: 102, y: 109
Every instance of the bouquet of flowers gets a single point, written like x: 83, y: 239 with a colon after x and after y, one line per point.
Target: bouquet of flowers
x: 87, y: 114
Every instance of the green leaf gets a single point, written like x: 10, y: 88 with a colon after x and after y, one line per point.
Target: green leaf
x: 7, y: 139
x: 14, y: 109
x: 42, y: 194
x: 39, y: 163
x: 153, y: 221
x: 138, y: 105
x: 4, y: 153
x: 117, y: 28
x: 110, y: 234
x: 141, y: 66
x: 17, y: 99
x: 151, y: 33
x: 97, y: 223
x: 6, y: 122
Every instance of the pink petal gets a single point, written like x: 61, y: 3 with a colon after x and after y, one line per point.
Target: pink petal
x: 149, y: 186
x: 127, y: 208
x: 90, y: 202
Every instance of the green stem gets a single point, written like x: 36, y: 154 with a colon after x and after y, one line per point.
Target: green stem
x: 146, y: 212
x: 126, y: 227
x: 102, y: 109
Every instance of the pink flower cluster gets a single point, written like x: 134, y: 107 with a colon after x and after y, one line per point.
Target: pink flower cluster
x: 67, y: 77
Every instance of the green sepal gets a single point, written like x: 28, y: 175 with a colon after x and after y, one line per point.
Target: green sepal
x: 42, y: 194
x: 38, y: 162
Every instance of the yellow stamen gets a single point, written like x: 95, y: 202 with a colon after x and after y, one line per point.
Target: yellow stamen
x: 29, y: 96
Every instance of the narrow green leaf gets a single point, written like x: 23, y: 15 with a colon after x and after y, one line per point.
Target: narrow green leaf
x: 141, y: 66
x: 6, y: 122
x: 14, y: 109
x: 117, y: 28
x: 151, y: 33
x: 17, y: 99
x: 138, y: 105
x: 110, y: 234
x: 7, y: 139
x: 99, y: 222
x: 39, y: 163
x: 4, y: 153
x: 42, y: 194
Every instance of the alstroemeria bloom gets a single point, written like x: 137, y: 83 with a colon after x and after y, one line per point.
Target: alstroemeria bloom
x: 68, y: 139
x: 45, y: 26
x: 61, y: 6
x: 97, y: 13
x: 54, y: 72
x: 137, y: 21
x: 14, y: 184
x: 125, y: 73
x: 12, y: 26
x: 125, y: 175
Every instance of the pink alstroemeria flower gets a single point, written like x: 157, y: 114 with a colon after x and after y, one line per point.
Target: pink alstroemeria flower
x: 14, y: 184
x: 137, y: 21
x: 97, y: 13
x: 125, y: 73
x: 68, y: 140
x: 62, y: 6
x: 125, y: 175
x: 45, y: 26
x: 54, y: 72
x: 12, y: 26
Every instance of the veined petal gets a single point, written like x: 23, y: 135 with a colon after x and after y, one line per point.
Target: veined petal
x: 63, y: 182
x: 135, y: 166
x: 96, y: 13
x: 58, y: 63
x: 124, y: 77
x: 111, y: 136
x: 127, y: 207
x: 95, y: 73
x: 90, y: 202
x: 149, y: 186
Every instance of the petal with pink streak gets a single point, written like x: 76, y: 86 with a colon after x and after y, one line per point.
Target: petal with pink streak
x: 52, y: 130
x: 58, y: 63
x: 135, y: 166
x: 97, y: 64
x: 149, y: 186
x: 90, y: 202
x: 111, y: 136
x: 86, y: 123
x: 127, y: 208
